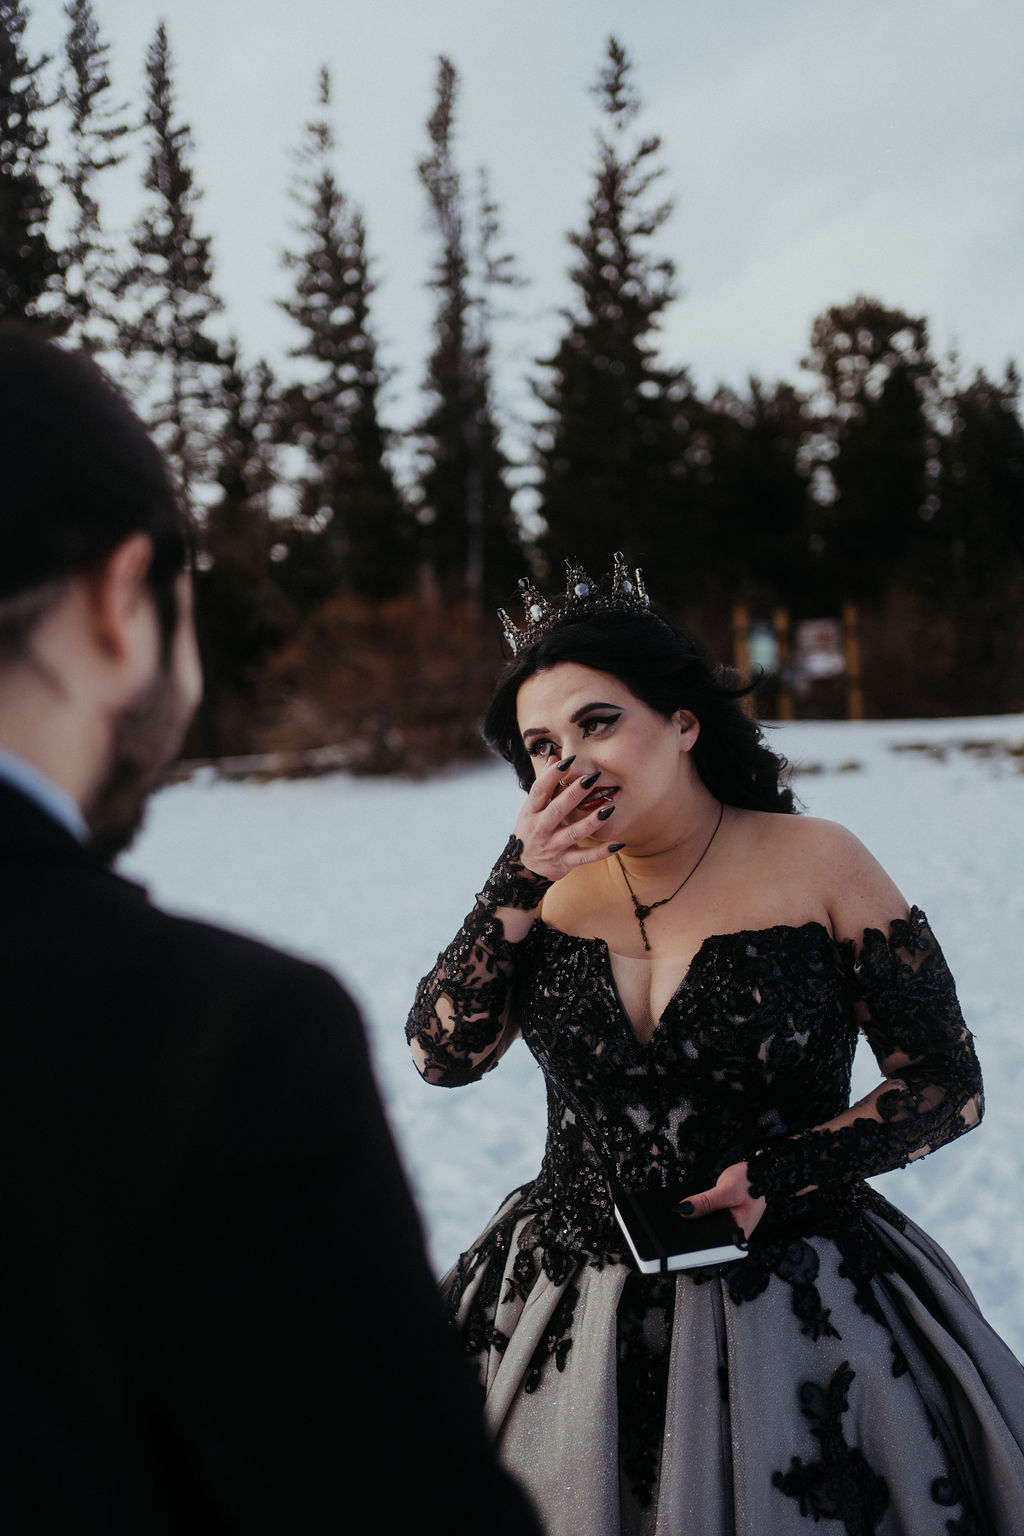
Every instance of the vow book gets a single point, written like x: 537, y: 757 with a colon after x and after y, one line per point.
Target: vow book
x: 660, y: 1239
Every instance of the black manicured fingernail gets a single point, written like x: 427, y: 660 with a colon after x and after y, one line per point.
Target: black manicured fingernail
x: 614, y: 847
x: 567, y: 764
x: 603, y: 815
x: 685, y: 1209
x: 590, y: 779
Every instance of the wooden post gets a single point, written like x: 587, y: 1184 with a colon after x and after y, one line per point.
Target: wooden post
x: 851, y: 645
x: 741, y: 638
x: 741, y: 647
x: 780, y: 624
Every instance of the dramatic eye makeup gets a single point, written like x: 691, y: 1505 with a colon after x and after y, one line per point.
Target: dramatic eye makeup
x: 590, y: 717
x: 592, y: 722
x: 542, y: 747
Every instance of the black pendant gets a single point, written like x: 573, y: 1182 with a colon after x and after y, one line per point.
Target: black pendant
x: 641, y: 912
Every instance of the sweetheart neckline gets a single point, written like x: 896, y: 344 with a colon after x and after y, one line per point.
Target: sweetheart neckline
x: 683, y: 986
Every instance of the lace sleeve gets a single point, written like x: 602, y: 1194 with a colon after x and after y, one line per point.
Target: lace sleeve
x: 931, y: 1093
x: 459, y: 1025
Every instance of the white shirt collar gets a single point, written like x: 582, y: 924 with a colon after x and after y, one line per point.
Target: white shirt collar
x: 49, y: 797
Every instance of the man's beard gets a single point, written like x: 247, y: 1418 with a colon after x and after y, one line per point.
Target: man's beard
x: 146, y: 735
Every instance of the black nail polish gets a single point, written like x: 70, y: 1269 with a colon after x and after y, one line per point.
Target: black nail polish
x: 567, y: 764
x: 685, y: 1209
x: 590, y: 779
x: 603, y: 815
x: 614, y: 847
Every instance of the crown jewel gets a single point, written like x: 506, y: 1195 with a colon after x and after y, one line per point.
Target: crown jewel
x: 625, y: 592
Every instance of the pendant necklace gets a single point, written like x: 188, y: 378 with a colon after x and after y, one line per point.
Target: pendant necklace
x: 643, y: 911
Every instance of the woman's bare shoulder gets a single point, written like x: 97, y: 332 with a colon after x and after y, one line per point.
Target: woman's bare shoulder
x: 803, y: 832
x: 849, y: 881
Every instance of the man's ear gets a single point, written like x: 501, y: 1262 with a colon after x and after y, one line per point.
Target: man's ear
x: 119, y: 599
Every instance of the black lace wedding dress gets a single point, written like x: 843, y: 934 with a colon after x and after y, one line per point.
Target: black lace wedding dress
x: 840, y: 1374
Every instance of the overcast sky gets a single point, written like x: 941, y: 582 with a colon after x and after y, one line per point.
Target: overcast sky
x: 815, y: 149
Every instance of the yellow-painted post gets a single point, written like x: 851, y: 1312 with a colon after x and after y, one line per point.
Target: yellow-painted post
x: 780, y: 624
x: 854, y: 682
x: 741, y: 647
x: 741, y: 638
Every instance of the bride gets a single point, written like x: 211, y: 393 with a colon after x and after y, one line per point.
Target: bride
x: 690, y: 963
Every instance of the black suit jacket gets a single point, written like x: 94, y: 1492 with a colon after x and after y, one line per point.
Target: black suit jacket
x: 217, y: 1314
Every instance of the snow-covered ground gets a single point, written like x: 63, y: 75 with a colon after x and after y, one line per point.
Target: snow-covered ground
x: 373, y: 877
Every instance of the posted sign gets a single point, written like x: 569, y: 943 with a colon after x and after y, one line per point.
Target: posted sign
x: 819, y: 648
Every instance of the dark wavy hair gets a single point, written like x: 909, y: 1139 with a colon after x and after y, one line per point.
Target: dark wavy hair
x: 663, y: 669
x: 80, y: 474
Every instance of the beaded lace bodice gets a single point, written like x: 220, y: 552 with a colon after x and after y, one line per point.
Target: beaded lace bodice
x: 752, y: 1055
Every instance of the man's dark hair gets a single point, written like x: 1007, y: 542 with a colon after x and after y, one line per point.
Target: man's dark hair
x: 79, y: 474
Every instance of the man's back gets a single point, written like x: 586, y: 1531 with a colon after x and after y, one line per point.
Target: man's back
x: 217, y: 1314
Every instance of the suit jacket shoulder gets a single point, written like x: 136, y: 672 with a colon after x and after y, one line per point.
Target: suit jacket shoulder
x: 221, y: 1294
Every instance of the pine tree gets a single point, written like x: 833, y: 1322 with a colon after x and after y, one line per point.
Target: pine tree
x: 240, y: 528
x: 876, y: 441
x: 754, y: 488
x: 968, y: 556
x: 471, y: 535
x: 612, y: 451
x: 351, y: 531
x: 978, y: 521
x: 30, y: 268
x: 167, y: 293
x: 97, y: 132
x: 241, y: 611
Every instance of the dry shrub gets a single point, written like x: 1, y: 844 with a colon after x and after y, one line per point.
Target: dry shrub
x: 920, y: 659
x: 401, y: 686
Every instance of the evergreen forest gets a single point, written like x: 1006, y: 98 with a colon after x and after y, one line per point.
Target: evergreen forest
x: 347, y: 575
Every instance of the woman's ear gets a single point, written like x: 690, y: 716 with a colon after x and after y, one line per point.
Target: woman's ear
x: 689, y: 728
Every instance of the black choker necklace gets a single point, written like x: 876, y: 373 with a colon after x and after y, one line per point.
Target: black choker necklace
x: 643, y: 911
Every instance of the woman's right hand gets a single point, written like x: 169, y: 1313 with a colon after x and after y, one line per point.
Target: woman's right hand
x: 554, y: 841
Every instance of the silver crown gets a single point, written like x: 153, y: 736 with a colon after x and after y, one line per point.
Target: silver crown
x: 626, y: 593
